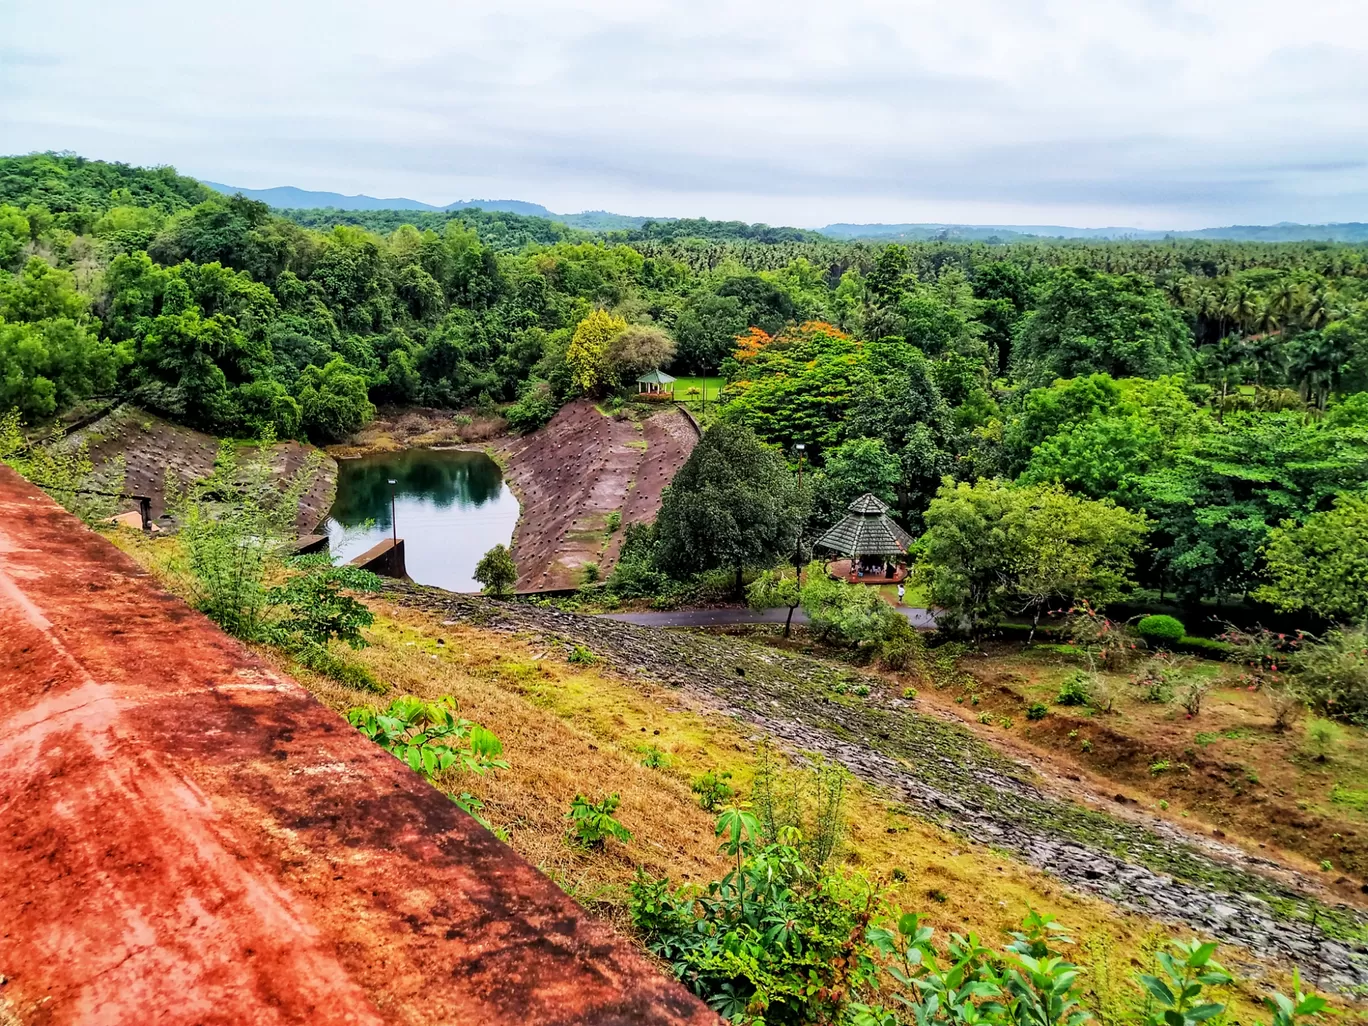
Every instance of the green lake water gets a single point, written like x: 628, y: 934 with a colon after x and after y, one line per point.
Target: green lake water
x: 451, y: 507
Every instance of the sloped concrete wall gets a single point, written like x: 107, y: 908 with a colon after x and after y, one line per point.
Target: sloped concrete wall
x: 186, y: 836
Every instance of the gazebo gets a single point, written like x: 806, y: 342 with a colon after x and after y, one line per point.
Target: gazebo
x: 655, y: 382
x: 866, y: 531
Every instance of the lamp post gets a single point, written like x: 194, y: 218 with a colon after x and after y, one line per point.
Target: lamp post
x: 798, y: 547
x: 394, y: 526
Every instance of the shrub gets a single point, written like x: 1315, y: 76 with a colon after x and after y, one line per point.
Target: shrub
x: 1160, y: 628
x: 581, y: 656
x: 496, y: 570
x: 1192, y: 692
x: 1076, y: 689
x: 1099, y: 638
x: 902, y: 647
x: 1156, y: 679
x: 1333, y: 673
x: 653, y: 758
x: 1037, y: 711
x: 593, y: 823
x: 713, y: 789
x: 432, y: 741
x: 613, y: 522
x: 535, y: 406
x: 1285, y: 701
x: 1321, y: 737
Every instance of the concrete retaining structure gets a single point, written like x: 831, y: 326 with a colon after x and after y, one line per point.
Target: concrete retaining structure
x: 385, y: 559
x: 188, y: 837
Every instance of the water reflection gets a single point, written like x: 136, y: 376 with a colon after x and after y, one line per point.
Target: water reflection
x: 451, y: 508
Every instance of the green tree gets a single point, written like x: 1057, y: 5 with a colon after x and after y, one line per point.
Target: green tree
x: 588, y: 350
x: 991, y: 548
x: 1088, y: 322
x: 855, y: 467
x: 496, y: 571
x: 637, y: 349
x: 734, y: 504
x: 1321, y: 564
x: 333, y: 401
x: 776, y: 589
x: 1066, y: 548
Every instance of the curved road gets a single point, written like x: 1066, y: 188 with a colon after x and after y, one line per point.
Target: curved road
x: 919, y: 618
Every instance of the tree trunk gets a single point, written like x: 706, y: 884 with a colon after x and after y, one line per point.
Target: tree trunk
x: 1035, y: 622
x: 788, y: 624
x: 740, y: 584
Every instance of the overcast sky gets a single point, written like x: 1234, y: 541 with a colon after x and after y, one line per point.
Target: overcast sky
x: 1152, y: 113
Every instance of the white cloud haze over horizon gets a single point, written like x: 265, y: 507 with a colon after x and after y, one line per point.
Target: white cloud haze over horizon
x: 1150, y: 113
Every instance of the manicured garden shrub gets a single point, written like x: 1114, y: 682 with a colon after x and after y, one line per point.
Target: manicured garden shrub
x: 1164, y: 629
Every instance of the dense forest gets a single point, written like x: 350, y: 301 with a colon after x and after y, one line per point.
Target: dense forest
x: 1214, y: 389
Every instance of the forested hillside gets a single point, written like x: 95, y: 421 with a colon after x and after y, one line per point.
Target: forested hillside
x: 1215, y: 388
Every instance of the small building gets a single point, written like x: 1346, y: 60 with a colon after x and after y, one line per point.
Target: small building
x: 870, y: 542
x: 655, y: 382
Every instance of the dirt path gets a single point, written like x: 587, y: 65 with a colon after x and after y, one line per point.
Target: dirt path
x: 952, y: 777
x: 571, y: 475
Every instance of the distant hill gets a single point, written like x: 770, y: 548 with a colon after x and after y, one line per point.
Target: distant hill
x: 287, y: 197
x: 1352, y: 231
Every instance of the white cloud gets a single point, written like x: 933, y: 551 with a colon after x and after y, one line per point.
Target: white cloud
x: 1157, y: 113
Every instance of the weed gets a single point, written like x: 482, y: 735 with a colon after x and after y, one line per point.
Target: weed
x: 1005, y: 722
x: 613, y: 522
x: 1037, y: 711
x: 1327, y: 866
x: 1163, y: 804
x: 1159, y: 766
x: 590, y: 572
x: 654, y: 758
x: 592, y: 823
x: 581, y: 656
x: 1322, y: 736
x: 1077, y: 689
x: 713, y: 789
x: 1353, y: 799
x: 909, y: 693
x: 1192, y: 693
x: 1087, y: 745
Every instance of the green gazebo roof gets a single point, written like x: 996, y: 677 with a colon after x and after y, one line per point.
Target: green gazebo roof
x: 866, y: 530
x: 655, y: 377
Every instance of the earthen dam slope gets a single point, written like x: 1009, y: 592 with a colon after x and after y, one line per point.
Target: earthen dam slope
x: 186, y: 836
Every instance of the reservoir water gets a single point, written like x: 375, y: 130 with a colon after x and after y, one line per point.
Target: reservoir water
x: 451, y: 507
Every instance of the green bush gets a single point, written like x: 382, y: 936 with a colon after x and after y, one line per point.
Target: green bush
x: 713, y: 789
x: 1037, y: 711
x: 1076, y: 689
x: 1158, y: 627
x: 592, y: 823
x: 535, y: 406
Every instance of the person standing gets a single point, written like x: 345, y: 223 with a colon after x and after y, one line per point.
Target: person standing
x: 902, y: 590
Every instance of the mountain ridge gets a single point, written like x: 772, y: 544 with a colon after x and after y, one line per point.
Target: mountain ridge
x: 288, y: 197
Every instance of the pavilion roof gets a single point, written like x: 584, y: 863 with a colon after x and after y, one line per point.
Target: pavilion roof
x: 655, y: 377
x: 866, y: 530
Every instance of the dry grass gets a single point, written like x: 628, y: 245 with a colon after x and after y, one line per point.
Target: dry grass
x: 401, y: 429
x: 570, y: 728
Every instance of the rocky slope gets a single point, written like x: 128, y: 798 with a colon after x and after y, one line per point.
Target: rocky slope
x: 948, y: 775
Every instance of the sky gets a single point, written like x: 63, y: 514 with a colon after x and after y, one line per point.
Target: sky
x: 1091, y: 113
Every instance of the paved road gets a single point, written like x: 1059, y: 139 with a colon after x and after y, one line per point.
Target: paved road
x: 919, y: 618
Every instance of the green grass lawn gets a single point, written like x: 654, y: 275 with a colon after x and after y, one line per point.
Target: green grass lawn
x: 713, y: 388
